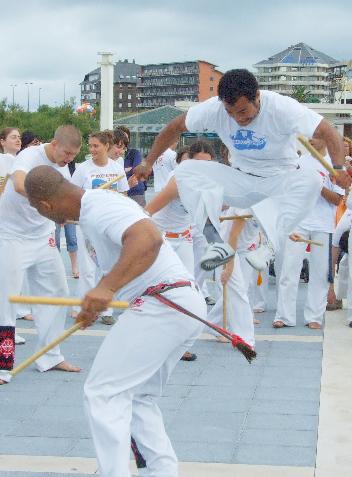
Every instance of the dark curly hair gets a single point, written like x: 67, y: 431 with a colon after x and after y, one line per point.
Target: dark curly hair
x: 237, y: 83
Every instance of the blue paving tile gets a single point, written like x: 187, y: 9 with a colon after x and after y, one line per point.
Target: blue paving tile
x: 275, y: 455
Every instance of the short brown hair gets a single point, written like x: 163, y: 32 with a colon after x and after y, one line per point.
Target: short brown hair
x: 120, y: 136
x: 183, y: 150
x: 201, y: 146
x: 69, y: 135
x: 105, y: 137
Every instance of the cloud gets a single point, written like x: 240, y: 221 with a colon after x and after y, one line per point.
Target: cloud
x: 52, y: 43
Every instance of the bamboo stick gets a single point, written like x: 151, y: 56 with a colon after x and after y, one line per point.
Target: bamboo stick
x: 235, y: 217
x: 309, y: 242
x: 347, y: 139
x: 46, y: 300
x: 27, y: 362
x: 107, y: 185
x: 303, y: 140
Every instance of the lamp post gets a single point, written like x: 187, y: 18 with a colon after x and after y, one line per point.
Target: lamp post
x: 28, y: 85
x: 13, y: 86
x: 39, y: 97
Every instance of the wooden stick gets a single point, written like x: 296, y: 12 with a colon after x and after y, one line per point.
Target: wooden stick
x: 224, y: 306
x: 303, y: 140
x: 27, y: 362
x: 310, y: 242
x: 3, y: 184
x: 46, y: 300
x: 107, y: 185
x: 347, y: 139
x: 235, y: 217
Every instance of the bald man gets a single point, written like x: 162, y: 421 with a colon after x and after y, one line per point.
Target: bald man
x: 27, y: 247
x: 136, y: 358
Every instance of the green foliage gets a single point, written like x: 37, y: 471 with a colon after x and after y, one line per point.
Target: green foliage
x: 303, y: 96
x: 45, y: 121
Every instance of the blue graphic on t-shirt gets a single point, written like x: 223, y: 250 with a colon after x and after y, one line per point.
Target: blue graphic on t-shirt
x: 246, y: 139
x: 96, y: 183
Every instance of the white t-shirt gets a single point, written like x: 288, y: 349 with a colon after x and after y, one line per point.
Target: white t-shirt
x: 90, y: 176
x: 322, y: 217
x: 162, y: 167
x: 344, y: 224
x: 6, y: 163
x: 173, y: 217
x: 104, y: 218
x: 17, y: 217
x: 267, y: 146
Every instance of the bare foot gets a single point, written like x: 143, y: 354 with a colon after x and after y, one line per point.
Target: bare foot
x: 314, y: 325
x: 27, y: 317
x: 256, y: 322
x: 75, y: 274
x: 279, y: 324
x: 222, y: 339
x: 65, y: 366
x: 2, y: 382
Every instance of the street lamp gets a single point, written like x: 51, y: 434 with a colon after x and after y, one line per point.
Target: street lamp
x: 28, y: 84
x: 39, y: 97
x: 13, y: 86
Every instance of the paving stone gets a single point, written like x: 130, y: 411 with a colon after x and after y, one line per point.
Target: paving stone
x: 279, y: 437
x: 271, y: 406
x: 202, y: 452
x: 275, y: 455
x: 38, y: 427
x: 287, y: 422
x: 58, y: 446
x: 288, y: 392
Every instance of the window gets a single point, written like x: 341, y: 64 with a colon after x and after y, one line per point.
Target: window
x: 211, y: 88
x: 129, y: 105
x: 120, y: 95
x: 120, y: 105
x: 211, y: 78
x: 129, y: 96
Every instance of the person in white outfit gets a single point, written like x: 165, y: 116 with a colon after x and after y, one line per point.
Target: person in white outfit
x: 163, y: 166
x: 139, y: 353
x: 10, y: 146
x: 259, y: 128
x: 171, y: 217
x: 318, y: 226
x: 27, y: 246
x: 92, y: 174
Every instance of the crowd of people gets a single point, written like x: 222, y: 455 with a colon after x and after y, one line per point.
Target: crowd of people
x: 222, y: 219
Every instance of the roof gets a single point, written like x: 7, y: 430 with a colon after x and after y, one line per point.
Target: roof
x: 124, y: 72
x: 299, y: 54
x: 150, y: 121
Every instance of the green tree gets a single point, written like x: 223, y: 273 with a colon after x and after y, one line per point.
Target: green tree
x: 45, y: 121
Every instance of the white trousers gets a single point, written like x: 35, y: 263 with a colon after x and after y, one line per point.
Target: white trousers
x: 183, y: 246
x: 199, y: 248
x: 22, y: 309
x: 349, y: 287
x: 342, y: 282
x: 40, y: 260
x: 239, y: 312
x: 89, y: 273
x: 128, y: 376
x: 291, y: 265
x: 204, y: 186
x: 257, y: 294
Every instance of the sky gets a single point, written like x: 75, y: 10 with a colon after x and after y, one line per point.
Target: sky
x: 54, y: 43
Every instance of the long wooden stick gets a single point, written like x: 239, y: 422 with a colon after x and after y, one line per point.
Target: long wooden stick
x: 303, y: 140
x: 235, y: 217
x: 310, y: 242
x: 27, y: 362
x: 3, y: 184
x: 107, y: 185
x: 46, y: 300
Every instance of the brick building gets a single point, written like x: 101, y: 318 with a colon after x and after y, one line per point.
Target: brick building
x: 165, y: 83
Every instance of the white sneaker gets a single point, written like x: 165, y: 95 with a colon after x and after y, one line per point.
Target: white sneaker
x: 19, y: 340
x: 260, y: 258
x: 216, y: 255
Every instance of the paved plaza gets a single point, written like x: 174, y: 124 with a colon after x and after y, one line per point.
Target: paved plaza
x: 287, y: 414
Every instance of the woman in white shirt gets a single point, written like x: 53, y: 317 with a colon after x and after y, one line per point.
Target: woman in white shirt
x: 92, y: 174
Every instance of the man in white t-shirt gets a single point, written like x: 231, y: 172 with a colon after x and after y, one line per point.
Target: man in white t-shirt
x: 162, y: 167
x: 259, y: 128
x: 142, y: 348
x: 27, y: 246
x: 318, y: 226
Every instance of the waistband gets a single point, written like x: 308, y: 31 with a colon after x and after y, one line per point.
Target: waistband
x: 177, y: 235
x: 164, y: 287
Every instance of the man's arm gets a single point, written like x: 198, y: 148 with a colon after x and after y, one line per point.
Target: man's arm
x: 164, y: 197
x: 331, y: 196
x: 168, y: 136
x: 333, y: 141
x: 141, y: 244
x: 18, y: 178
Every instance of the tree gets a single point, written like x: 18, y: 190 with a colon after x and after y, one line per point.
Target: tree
x: 45, y: 121
x: 303, y: 96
